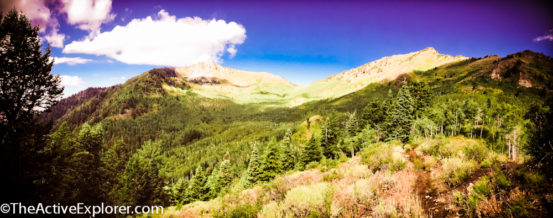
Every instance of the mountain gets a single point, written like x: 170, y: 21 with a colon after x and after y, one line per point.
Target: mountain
x: 384, y: 69
x: 71, y: 102
x: 214, y: 81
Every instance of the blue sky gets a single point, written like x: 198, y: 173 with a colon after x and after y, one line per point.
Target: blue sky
x: 302, y: 41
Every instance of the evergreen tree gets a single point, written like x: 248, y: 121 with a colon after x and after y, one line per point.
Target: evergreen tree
x: 270, y: 166
x: 88, y: 165
x: 214, y: 183
x: 352, y: 124
x: 60, y: 176
x: 254, y: 166
x: 26, y: 89
x: 142, y: 183
x: 113, y: 162
x: 329, y: 136
x: 374, y: 114
x: 288, y: 158
x: 311, y: 152
x: 197, y: 189
x: 401, y: 115
x: 421, y: 94
x: 226, y: 173
x: 178, y: 191
x: 540, y: 145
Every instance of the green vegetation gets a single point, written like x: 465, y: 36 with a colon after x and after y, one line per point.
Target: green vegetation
x: 452, y: 132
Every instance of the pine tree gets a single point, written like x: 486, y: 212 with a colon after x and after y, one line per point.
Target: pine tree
x: 197, y: 185
x: 27, y: 88
x: 226, y: 173
x: 421, y: 94
x: 214, y: 183
x: 178, y: 191
x: 352, y: 124
x: 88, y: 164
x: 311, y: 152
x: 270, y: 166
x: 288, y: 158
x: 254, y: 166
x: 329, y: 136
x: 401, y: 115
x: 141, y: 183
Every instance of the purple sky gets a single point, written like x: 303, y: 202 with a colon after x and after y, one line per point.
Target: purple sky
x: 305, y: 41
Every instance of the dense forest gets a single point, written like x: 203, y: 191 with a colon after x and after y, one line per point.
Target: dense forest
x: 483, y: 122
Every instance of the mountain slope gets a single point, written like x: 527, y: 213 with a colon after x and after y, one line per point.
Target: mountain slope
x: 384, y: 69
x: 214, y: 81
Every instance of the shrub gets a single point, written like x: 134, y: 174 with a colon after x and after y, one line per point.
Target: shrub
x: 328, y: 164
x: 270, y: 210
x: 501, y: 180
x: 306, y: 200
x: 441, y: 149
x: 312, y: 165
x: 385, y: 209
x: 364, y: 191
x: 475, y: 151
x: 243, y: 211
x: 384, y: 156
x: 486, y: 163
x: 533, y: 180
x: 358, y: 171
x: 482, y: 187
x: 332, y: 176
x: 455, y: 170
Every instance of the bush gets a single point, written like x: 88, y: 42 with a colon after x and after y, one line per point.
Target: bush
x: 501, y: 180
x: 455, y: 170
x: 482, y: 187
x: 441, y: 149
x: 328, y: 164
x: 332, y: 176
x: 305, y: 200
x: 388, y: 156
x: 358, y: 171
x: 270, y: 210
x: 486, y: 163
x: 477, y: 152
x: 312, y: 165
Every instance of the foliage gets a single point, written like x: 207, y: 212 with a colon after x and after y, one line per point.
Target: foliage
x: 141, y: 182
x: 383, y: 156
x: 271, y: 165
x: 26, y: 88
x: 401, y: 115
x: 311, y: 152
x: 254, y: 166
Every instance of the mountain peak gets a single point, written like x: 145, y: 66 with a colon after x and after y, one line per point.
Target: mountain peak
x: 428, y: 49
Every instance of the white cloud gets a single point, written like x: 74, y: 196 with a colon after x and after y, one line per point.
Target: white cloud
x: 71, y: 80
x: 548, y: 37
x: 165, y: 40
x: 88, y: 15
x: 71, y: 60
x: 55, y: 38
x: 39, y: 14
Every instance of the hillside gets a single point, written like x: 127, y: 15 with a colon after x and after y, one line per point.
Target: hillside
x: 467, y: 127
x: 381, y: 70
x: 71, y: 102
x: 214, y: 81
